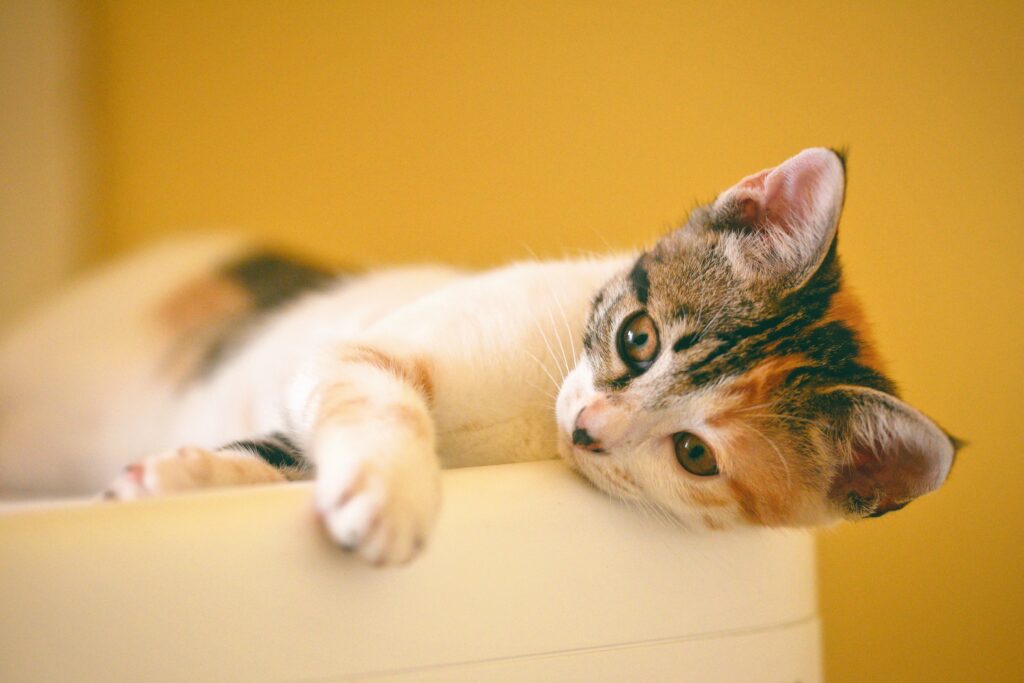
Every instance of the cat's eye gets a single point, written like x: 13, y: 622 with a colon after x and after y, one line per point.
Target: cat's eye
x: 638, y: 342
x: 694, y: 455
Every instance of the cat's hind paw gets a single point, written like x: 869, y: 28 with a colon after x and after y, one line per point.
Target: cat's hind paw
x: 186, y: 469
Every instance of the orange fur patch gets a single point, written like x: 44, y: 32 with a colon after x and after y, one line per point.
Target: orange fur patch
x: 341, y: 399
x: 710, y: 523
x: 193, y: 316
x: 699, y: 496
x: 412, y: 371
x: 412, y: 419
x: 746, y: 501
x: 204, y: 302
x: 761, y: 497
x: 756, y: 387
x: 343, y: 403
x: 625, y: 476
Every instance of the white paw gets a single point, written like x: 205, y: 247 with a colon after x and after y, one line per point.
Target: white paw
x: 380, y: 507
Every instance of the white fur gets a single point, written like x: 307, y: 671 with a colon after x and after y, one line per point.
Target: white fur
x: 78, y: 399
x: 80, y: 394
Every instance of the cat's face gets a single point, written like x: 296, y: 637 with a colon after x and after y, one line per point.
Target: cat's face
x: 727, y: 376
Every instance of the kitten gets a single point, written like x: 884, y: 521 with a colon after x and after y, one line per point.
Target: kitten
x: 724, y: 376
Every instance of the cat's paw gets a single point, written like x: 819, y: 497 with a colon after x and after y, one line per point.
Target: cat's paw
x: 383, y: 507
x: 158, y: 474
x: 186, y: 469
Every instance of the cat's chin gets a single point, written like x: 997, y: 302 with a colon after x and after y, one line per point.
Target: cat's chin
x: 567, y: 452
x: 579, y: 460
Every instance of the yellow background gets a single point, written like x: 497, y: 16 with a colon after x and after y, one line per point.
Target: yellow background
x: 478, y: 132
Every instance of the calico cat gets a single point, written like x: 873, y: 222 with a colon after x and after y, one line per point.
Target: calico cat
x: 724, y: 376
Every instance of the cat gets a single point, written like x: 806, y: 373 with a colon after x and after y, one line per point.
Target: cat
x: 725, y: 376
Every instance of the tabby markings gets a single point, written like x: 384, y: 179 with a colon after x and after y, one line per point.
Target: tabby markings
x: 641, y: 282
x: 212, y: 316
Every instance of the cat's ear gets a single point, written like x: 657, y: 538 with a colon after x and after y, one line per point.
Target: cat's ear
x: 782, y: 221
x: 893, y: 453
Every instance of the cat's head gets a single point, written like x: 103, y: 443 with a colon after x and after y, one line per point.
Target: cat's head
x: 728, y: 375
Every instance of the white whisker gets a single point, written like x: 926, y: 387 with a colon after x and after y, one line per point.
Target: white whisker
x: 544, y: 338
x: 540, y: 330
x: 568, y: 328
x: 541, y: 390
x: 561, y: 344
x: 782, y: 459
x: 544, y: 367
x: 603, y: 239
x: 790, y: 418
x: 753, y: 407
x: 711, y: 322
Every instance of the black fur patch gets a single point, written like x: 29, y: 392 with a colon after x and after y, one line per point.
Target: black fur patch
x: 271, y: 280
x: 621, y: 382
x: 276, y: 450
x: 686, y: 341
x: 640, y: 281
x: 795, y: 328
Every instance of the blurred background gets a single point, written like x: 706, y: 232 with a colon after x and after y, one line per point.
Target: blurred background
x: 476, y: 133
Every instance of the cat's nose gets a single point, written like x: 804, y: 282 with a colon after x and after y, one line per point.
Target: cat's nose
x: 581, y: 437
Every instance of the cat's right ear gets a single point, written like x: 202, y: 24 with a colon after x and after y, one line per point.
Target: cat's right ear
x: 893, y: 453
x: 781, y: 222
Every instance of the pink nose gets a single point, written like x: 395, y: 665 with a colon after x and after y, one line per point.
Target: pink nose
x: 581, y: 437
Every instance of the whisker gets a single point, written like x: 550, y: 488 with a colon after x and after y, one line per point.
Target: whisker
x: 561, y: 344
x: 785, y: 465
x: 568, y: 329
x: 753, y: 407
x: 711, y: 322
x: 603, y: 239
x: 531, y: 252
x: 544, y: 338
x: 565, y: 319
x: 537, y: 324
x: 586, y: 254
x: 791, y: 418
x: 541, y: 390
x: 544, y: 367
x: 659, y: 513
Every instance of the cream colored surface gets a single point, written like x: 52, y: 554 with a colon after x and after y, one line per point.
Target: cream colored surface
x: 531, y: 576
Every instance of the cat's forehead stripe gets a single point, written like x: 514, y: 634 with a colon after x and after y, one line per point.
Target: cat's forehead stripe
x: 640, y: 281
x: 831, y: 348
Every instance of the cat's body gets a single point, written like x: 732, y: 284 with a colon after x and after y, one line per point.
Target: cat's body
x: 724, y: 376
x: 491, y: 360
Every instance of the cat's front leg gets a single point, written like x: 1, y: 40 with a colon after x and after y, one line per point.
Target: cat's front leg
x: 378, y: 479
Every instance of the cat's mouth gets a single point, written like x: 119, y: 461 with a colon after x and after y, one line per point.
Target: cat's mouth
x: 609, y: 478
x: 576, y: 457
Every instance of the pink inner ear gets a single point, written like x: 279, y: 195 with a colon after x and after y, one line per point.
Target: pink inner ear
x: 801, y: 191
x: 870, y: 475
x: 892, y: 478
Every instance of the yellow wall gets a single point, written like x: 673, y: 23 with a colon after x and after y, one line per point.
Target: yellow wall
x: 477, y: 132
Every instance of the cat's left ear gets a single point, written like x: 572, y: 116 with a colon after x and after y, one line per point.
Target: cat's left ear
x: 782, y: 221
x: 893, y: 453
